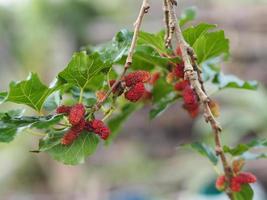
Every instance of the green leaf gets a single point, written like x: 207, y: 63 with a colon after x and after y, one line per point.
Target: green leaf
x: 82, y: 69
x: 3, y: 96
x: 204, y: 150
x: 163, y: 97
x: 231, y: 81
x: 246, y: 193
x: 116, y: 122
x: 187, y: 15
x: 156, y: 41
x: 211, y: 45
x: 76, y: 153
x: 12, y: 123
x: 31, y: 92
x: 243, y: 148
x: 52, y: 102
x: 113, y: 51
x: 193, y: 33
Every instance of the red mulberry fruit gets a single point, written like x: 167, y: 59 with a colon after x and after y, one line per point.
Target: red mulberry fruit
x: 76, y: 114
x: 192, y: 109
x: 246, y: 177
x: 135, y: 93
x: 220, y: 183
x: 181, y: 85
x: 189, y: 96
x: 178, y: 70
x: 235, y: 185
x: 137, y: 77
x: 69, y: 137
x: 63, y: 109
x: 98, y: 127
x: 155, y: 76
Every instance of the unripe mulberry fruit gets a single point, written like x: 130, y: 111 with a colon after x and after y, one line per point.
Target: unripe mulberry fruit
x: 246, y: 177
x: 100, y: 95
x: 170, y: 77
x: 189, y: 96
x: 181, y: 85
x: 63, y: 109
x: 76, y: 114
x: 215, y: 109
x: 133, y: 78
x: 135, y: 93
x: 155, y: 76
x: 220, y: 183
x: 237, y: 165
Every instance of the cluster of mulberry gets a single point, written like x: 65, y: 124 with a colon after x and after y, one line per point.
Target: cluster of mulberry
x: 133, y: 85
x: 76, y: 117
x: 236, y: 182
x: 239, y: 178
x: 191, y: 102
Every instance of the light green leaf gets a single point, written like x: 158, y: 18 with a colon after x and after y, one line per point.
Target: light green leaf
x: 211, y: 45
x: 231, y: 81
x: 193, y: 33
x: 156, y: 41
x: 31, y: 92
x: 76, y: 153
x: 187, y: 15
x: 3, y: 96
x: 246, y: 193
x: 204, y: 150
x: 12, y: 123
x: 113, y: 51
x: 243, y: 148
x: 82, y: 69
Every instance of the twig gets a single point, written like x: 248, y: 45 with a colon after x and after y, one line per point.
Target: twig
x: 194, y: 76
x: 144, y: 9
x: 167, y: 37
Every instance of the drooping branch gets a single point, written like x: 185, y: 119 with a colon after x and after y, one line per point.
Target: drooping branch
x: 137, y: 25
x: 193, y: 74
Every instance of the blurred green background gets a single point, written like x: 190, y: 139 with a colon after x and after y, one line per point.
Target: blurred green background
x: 144, y: 163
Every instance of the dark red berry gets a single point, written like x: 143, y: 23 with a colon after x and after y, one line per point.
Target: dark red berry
x: 69, y: 137
x: 220, y: 182
x: 76, y: 114
x: 137, y: 77
x: 135, y: 93
x: 178, y: 70
x: 181, y: 85
x: 63, y: 109
x: 246, y: 177
x: 189, y: 96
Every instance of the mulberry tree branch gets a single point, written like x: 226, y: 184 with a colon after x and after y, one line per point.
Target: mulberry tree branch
x: 194, y: 76
x: 137, y: 25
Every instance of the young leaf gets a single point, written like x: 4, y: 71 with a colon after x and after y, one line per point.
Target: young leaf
x: 116, y: 122
x: 231, y: 81
x: 187, y: 15
x: 82, y: 69
x: 3, y: 96
x: 163, y: 96
x: 156, y: 41
x: 205, y: 150
x: 76, y: 153
x: 211, y: 45
x: 246, y: 193
x: 31, y: 92
x: 113, y: 51
x: 243, y: 148
x: 12, y: 122
x: 193, y: 33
